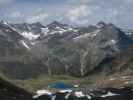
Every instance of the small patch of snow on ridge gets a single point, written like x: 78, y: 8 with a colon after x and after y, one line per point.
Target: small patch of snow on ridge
x: 109, y: 94
x: 42, y: 92
x: 67, y: 96
x: 24, y: 44
x: 53, y: 32
x: 79, y: 94
x: 45, y: 30
x: 92, y: 34
x: 70, y: 29
x: 7, y: 30
x: 127, y: 82
x: 112, y: 42
x: 14, y: 29
x: 88, y: 96
x: 124, y: 77
x: 33, y: 42
x: 112, y: 79
x: 82, y: 36
x: 53, y: 97
x: 129, y: 33
x: 4, y: 22
x: 63, y: 91
x: 59, y: 30
x: 76, y: 86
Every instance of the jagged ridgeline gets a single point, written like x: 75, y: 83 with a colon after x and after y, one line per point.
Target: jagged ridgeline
x: 30, y: 50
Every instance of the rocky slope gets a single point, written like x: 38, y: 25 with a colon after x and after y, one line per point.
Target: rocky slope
x: 9, y: 91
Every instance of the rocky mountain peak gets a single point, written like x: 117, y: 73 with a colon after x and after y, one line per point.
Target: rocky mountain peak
x: 38, y: 24
x: 3, y: 22
x: 56, y: 25
x: 101, y: 24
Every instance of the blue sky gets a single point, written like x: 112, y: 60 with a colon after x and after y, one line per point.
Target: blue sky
x: 77, y: 12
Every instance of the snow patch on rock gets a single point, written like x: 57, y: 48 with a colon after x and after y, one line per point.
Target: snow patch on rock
x: 88, y: 35
x: 42, y: 92
x: 79, y: 94
x: 24, y: 44
x: 64, y: 91
x: 109, y: 94
x: 30, y: 35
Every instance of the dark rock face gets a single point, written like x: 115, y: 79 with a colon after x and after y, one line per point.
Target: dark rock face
x: 10, y: 92
x: 60, y: 96
x: 43, y: 97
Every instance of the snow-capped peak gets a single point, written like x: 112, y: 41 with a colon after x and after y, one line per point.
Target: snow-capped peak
x: 55, y: 23
x: 56, y: 28
x: 113, y: 41
x: 4, y: 22
x: 100, y: 24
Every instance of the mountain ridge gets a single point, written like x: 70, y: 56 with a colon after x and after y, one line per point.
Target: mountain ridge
x: 64, y: 49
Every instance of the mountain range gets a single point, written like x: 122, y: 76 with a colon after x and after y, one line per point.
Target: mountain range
x: 29, y: 50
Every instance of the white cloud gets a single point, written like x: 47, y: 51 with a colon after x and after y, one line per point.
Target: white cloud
x: 128, y: 1
x: 39, y: 10
x: 40, y: 17
x: 82, y: 22
x: 16, y: 14
x: 79, y: 2
x: 78, y: 12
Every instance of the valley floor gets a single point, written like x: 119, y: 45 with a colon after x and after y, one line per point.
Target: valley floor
x: 93, y: 82
x: 114, y: 87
